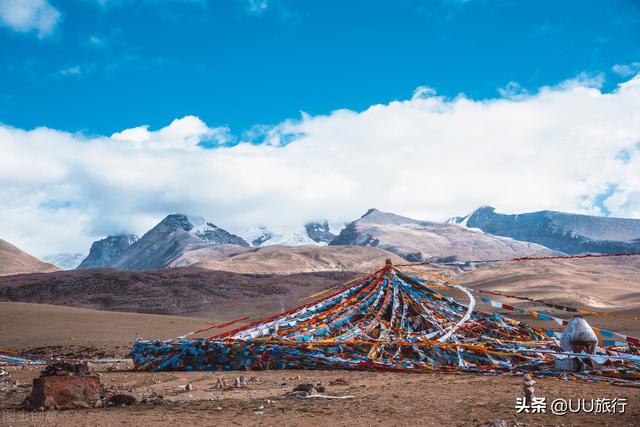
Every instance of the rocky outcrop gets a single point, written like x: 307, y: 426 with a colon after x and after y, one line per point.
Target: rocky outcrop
x: 319, y: 232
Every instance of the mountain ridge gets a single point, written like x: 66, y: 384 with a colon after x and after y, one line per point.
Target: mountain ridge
x: 104, y: 252
x: 14, y: 260
x: 566, y: 232
x: 418, y: 240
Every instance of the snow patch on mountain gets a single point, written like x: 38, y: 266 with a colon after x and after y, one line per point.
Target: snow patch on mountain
x: 266, y: 236
x: 318, y: 233
x: 65, y: 261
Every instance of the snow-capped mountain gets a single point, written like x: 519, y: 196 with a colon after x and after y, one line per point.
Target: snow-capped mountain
x: 105, y: 252
x: 65, y: 261
x: 267, y: 236
x: 417, y: 240
x: 207, y: 231
x: 313, y: 233
x: 172, y: 237
x: 566, y: 232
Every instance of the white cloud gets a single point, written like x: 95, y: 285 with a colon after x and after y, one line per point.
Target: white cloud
x: 513, y: 90
x: 429, y: 158
x: 422, y: 92
x: 626, y: 70
x: 29, y: 15
x: 74, y: 70
x: 188, y: 132
x: 257, y: 6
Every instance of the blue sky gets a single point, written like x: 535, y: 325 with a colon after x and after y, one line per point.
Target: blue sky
x: 115, y: 113
x: 104, y: 66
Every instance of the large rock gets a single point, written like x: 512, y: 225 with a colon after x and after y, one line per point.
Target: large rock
x: 65, y: 386
x: 65, y: 392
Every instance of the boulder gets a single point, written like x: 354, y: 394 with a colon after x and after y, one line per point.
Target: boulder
x: 65, y: 392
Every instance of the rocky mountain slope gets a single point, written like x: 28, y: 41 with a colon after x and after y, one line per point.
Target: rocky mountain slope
x: 168, y: 240
x: 319, y: 232
x: 417, y: 240
x: 16, y: 261
x: 105, y: 252
x: 565, y: 232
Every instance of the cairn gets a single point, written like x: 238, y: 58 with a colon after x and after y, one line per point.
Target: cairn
x: 240, y: 382
x: 527, y: 386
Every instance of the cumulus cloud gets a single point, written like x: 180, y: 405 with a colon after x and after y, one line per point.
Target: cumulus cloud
x: 29, y: 15
x: 186, y: 133
x: 428, y: 157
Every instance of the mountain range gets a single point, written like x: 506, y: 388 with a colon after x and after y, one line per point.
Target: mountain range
x: 565, y: 232
x: 180, y: 241
x: 173, y: 236
x: 416, y: 240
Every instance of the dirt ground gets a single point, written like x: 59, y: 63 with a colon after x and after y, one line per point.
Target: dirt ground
x: 607, y: 283
x: 79, y: 332
x: 379, y: 398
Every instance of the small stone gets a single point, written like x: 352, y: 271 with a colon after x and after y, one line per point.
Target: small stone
x: 498, y: 422
x: 123, y: 399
